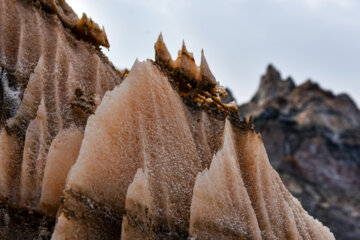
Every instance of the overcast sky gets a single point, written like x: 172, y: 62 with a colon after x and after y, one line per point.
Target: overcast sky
x: 317, y: 39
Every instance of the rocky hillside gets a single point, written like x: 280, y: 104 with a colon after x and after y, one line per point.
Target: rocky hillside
x: 312, y: 137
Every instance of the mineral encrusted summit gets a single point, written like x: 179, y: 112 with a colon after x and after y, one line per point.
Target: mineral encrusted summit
x: 88, y: 152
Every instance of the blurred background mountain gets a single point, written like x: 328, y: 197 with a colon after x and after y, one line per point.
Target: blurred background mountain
x: 312, y: 137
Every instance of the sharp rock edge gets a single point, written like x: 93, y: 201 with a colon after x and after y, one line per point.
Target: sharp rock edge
x: 136, y: 160
x: 196, y: 83
x: 84, y: 28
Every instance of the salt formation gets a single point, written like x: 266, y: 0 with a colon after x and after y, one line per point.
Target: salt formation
x: 221, y: 191
x: 147, y: 144
x: 242, y: 197
x: 158, y: 157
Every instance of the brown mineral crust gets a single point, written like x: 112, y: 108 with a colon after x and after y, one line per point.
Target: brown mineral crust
x: 180, y: 82
x: 88, y: 30
x: 84, y: 28
x: 196, y: 85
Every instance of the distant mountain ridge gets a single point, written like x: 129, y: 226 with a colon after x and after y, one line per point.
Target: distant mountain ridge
x: 312, y: 137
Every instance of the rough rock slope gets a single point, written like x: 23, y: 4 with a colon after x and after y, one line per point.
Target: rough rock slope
x: 149, y: 160
x: 50, y: 83
x: 155, y: 150
x: 317, y: 147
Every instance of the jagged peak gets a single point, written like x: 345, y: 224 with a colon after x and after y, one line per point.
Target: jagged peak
x: 84, y: 28
x: 310, y: 85
x: 161, y: 51
x: 204, y: 69
x: 270, y: 67
x: 290, y: 79
x: 272, y: 85
x: 271, y: 74
x: 197, y: 83
x: 185, y: 51
x: 90, y: 31
x: 186, y: 62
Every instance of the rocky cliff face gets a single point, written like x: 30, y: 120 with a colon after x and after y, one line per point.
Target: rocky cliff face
x: 312, y: 137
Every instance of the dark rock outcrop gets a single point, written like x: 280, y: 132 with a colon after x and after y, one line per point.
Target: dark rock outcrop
x: 312, y: 137
x: 229, y: 97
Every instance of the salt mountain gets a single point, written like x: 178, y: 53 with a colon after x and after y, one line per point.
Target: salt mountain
x: 104, y: 154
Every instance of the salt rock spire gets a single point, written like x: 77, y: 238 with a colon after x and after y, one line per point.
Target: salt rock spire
x: 155, y: 137
x: 62, y: 155
x: 34, y: 157
x: 186, y: 62
x: 153, y: 155
x: 162, y: 53
x: 241, y: 196
x: 205, y: 70
x: 139, y: 205
x: 220, y: 198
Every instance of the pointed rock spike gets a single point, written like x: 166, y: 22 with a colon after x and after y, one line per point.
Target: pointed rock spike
x: 135, y: 63
x: 205, y: 70
x: 183, y: 47
x: 251, y: 119
x: 161, y: 52
x: 160, y: 38
x: 186, y: 63
x: 184, y: 51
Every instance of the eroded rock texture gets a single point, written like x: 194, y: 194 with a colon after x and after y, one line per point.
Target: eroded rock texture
x: 144, y: 160
x: 160, y: 156
x: 317, y: 147
x: 50, y: 83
